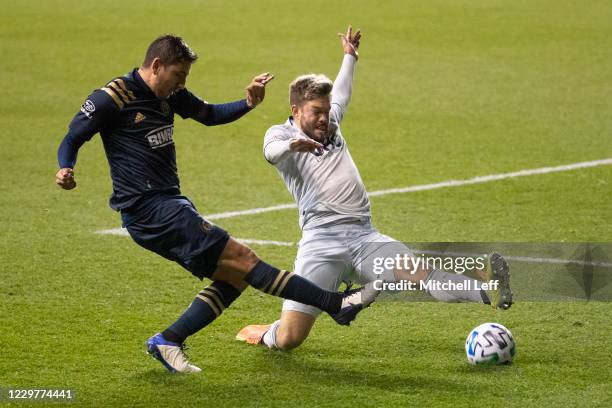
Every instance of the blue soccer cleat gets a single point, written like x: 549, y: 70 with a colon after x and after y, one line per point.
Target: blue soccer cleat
x: 170, y: 354
x: 353, y: 302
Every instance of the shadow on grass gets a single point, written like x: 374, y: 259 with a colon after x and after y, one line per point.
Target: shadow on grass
x: 160, y: 376
x: 486, y: 369
x: 288, y: 369
x: 312, y: 372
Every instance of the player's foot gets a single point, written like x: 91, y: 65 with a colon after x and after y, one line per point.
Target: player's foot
x: 170, y: 354
x: 498, y: 269
x: 253, y: 333
x: 353, y: 302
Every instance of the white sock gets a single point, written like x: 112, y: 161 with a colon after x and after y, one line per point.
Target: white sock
x: 269, y: 338
x: 472, y: 295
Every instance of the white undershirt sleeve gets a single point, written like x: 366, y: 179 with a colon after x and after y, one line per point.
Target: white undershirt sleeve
x: 275, y: 151
x: 276, y: 147
x: 343, y: 86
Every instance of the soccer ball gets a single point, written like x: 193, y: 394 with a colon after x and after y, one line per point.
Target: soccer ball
x: 490, y: 343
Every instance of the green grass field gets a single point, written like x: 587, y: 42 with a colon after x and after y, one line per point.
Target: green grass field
x: 444, y: 90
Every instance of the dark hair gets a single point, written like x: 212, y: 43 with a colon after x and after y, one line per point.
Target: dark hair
x: 309, y: 87
x: 170, y: 49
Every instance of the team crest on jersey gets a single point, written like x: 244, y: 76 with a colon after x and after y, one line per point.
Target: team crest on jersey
x: 88, y: 108
x: 161, y: 137
x: 139, y: 117
x: 332, y: 143
x: 165, y: 108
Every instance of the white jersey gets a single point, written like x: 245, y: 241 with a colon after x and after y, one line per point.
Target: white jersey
x: 327, y: 188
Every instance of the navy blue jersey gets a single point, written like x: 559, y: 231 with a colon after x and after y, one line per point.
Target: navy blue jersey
x: 137, y: 132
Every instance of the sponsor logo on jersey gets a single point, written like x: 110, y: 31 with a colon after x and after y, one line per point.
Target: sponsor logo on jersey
x: 88, y: 108
x: 139, y: 117
x: 161, y: 137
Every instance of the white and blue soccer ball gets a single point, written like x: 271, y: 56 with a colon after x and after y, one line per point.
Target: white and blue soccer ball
x: 490, y: 343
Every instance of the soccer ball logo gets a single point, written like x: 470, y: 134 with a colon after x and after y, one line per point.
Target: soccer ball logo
x: 490, y: 343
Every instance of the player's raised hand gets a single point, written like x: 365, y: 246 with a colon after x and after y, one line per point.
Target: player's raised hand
x: 350, y: 41
x: 65, y: 178
x: 302, y: 145
x: 256, y: 91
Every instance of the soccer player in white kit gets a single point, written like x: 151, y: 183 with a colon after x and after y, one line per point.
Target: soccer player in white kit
x: 338, y: 240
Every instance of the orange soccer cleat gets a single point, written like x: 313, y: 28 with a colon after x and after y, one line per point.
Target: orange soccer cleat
x: 253, y: 333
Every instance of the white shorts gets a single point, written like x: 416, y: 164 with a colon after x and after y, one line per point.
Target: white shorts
x: 330, y: 255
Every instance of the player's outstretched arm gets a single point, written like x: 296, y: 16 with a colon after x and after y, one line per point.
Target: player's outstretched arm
x: 277, y: 149
x: 343, y: 85
x: 256, y: 90
x: 219, y: 114
x: 96, y: 112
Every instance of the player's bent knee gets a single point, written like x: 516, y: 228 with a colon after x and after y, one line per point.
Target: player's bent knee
x: 250, y: 258
x: 293, y: 330
x: 246, y: 256
x: 238, y: 257
x: 289, y: 340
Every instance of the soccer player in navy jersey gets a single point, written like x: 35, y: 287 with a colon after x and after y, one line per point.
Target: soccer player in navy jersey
x: 134, y: 115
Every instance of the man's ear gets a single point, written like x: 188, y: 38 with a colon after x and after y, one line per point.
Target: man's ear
x: 295, y: 111
x: 155, y: 65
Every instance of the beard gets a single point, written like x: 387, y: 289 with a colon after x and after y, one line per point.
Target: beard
x: 317, y: 132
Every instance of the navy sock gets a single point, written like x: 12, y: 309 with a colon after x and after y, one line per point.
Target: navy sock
x: 289, y: 286
x: 205, y: 308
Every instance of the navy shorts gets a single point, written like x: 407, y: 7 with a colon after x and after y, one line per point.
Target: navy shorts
x: 169, y: 225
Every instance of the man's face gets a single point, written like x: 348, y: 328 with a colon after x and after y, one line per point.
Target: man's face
x: 168, y: 79
x: 313, y: 117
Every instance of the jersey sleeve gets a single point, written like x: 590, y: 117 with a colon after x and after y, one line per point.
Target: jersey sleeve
x: 276, y: 146
x: 96, y: 113
x: 188, y: 105
x: 343, y: 87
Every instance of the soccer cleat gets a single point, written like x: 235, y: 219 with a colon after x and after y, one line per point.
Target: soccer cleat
x: 170, y: 354
x: 498, y: 269
x: 253, y: 333
x: 353, y: 302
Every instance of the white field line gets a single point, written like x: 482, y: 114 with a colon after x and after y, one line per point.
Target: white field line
x: 493, y: 177
x: 424, y: 187
x: 252, y: 211
x: 123, y: 233
x: 527, y: 259
x: 264, y: 242
x: 558, y: 261
x: 409, y: 189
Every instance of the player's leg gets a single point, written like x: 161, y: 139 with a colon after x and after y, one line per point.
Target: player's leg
x: 376, y: 245
x: 167, y: 346
x: 206, y: 307
x: 285, y: 334
x: 322, y: 259
x: 290, y: 331
x: 496, y: 269
x: 239, y: 262
x: 171, y: 227
x: 228, y: 282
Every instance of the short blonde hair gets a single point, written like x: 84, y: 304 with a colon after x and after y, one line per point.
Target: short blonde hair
x: 308, y: 87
